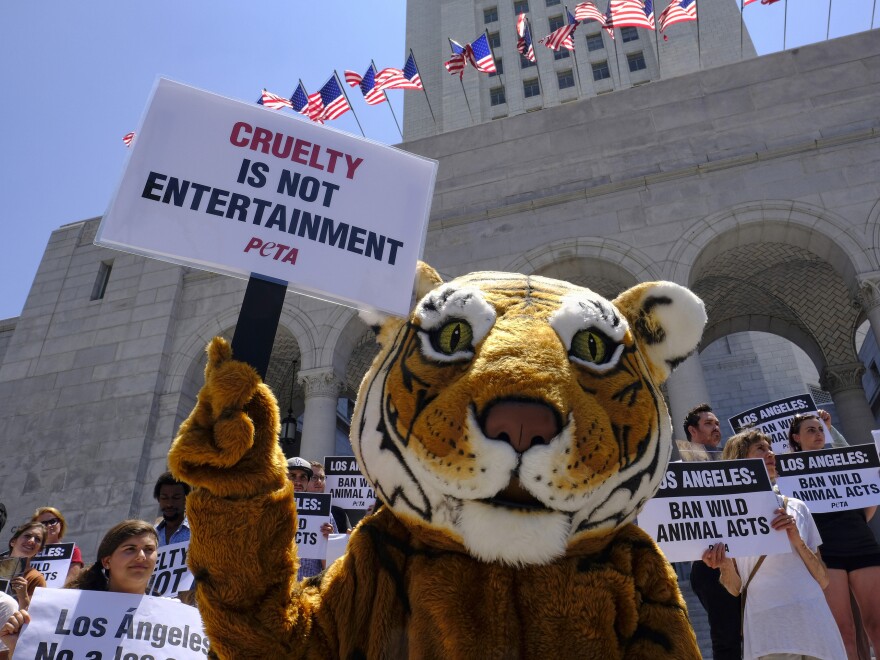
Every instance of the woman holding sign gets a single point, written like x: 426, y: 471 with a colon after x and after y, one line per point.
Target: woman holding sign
x: 784, y: 608
x: 126, y: 559
x: 26, y: 542
x: 56, y: 527
x: 849, y: 549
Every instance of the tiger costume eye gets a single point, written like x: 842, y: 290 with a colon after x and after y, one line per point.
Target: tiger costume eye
x: 454, y: 335
x: 591, y: 346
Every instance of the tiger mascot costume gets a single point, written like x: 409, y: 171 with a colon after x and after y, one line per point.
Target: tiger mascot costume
x: 512, y: 427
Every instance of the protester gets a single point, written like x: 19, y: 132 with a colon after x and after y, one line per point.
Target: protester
x: 56, y: 528
x: 723, y: 610
x: 849, y: 549
x: 785, y: 609
x: 318, y: 484
x: 300, y: 472
x: 26, y: 542
x: 126, y: 558
x: 171, y: 496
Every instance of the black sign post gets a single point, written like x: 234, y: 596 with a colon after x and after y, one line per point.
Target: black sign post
x: 258, y: 322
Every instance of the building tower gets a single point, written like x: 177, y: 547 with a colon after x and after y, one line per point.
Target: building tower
x: 598, y: 65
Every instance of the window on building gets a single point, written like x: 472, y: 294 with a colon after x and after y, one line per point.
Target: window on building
x: 496, y: 96
x: 499, y: 67
x: 525, y: 62
x: 101, y: 280
x: 556, y: 22
x: 552, y: 3
x: 531, y: 88
x: 636, y: 61
x: 565, y: 79
x: 490, y: 14
x: 495, y: 39
x: 594, y: 42
x: 600, y: 71
x: 521, y: 7
x: 629, y: 34
x: 560, y: 54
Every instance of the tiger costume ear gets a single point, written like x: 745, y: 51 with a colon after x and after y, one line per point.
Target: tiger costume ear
x: 667, y: 322
x: 427, y: 279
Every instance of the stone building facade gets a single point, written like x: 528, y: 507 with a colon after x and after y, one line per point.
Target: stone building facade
x: 753, y: 183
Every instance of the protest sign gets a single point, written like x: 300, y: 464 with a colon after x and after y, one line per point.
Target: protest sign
x: 68, y: 624
x: 774, y: 418
x: 349, y: 488
x: 171, y: 574
x: 337, y: 544
x: 832, y: 479
x: 699, y: 504
x: 238, y: 189
x: 53, y: 561
x: 312, y: 510
x: 10, y: 567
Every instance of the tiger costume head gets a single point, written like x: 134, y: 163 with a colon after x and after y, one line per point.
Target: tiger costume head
x: 519, y: 413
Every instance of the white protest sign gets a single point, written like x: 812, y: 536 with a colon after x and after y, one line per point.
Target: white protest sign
x: 171, y: 574
x: 832, y: 479
x: 238, y: 189
x: 312, y: 511
x: 700, y: 504
x: 53, y: 561
x: 774, y: 418
x: 349, y: 488
x: 337, y: 544
x: 68, y: 624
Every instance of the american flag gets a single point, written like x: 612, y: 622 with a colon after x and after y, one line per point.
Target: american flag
x: 678, y: 11
x: 411, y: 73
x: 274, y: 102
x: 480, y: 55
x: 408, y: 78
x: 649, y: 12
x: 372, y: 93
x: 571, y: 19
x: 127, y: 138
x: 587, y: 11
x: 631, y: 13
x: 333, y: 100
x: 524, y: 43
x: 300, y: 100
x: 458, y: 62
x: 315, y: 107
x: 609, y: 22
x: 766, y: 2
x: 561, y: 37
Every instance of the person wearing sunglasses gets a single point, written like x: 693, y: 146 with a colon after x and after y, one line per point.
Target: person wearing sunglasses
x: 849, y: 549
x: 56, y: 528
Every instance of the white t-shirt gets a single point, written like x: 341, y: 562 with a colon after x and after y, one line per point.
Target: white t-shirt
x: 8, y: 607
x: 786, y: 611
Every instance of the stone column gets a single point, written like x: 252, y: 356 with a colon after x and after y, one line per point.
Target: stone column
x: 844, y: 383
x: 686, y: 388
x: 869, y: 296
x: 321, y: 388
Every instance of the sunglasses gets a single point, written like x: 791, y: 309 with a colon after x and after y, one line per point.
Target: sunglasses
x: 51, y: 522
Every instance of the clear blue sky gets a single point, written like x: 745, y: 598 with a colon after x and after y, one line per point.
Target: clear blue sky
x: 76, y: 76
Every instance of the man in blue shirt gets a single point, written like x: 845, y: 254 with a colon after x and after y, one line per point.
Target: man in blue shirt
x: 171, y: 496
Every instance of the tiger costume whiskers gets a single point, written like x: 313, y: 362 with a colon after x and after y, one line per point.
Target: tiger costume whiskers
x: 488, y: 338
x: 513, y: 427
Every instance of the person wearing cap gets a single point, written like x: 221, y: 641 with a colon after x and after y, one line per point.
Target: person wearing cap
x: 299, y: 471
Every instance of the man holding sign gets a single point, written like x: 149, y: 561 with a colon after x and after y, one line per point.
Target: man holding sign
x: 785, y: 609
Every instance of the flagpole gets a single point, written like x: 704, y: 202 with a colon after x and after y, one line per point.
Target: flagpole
x: 699, y: 48
x: 657, y: 41
x: 494, y: 60
x: 347, y: 100
x: 784, y: 24
x: 828, y: 30
x: 461, y: 81
x: 616, y: 56
x: 535, y: 52
x: 387, y: 100
x: 873, y: 11
x: 427, y: 100
x: 742, y: 22
x: 574, y: 56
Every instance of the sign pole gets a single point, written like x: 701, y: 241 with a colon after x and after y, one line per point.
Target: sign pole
x: 258, y: 322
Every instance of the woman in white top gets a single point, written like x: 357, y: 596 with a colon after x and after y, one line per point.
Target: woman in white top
x: 786, y: 614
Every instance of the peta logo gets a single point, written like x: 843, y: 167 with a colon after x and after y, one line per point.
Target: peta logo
x: 277, y: 251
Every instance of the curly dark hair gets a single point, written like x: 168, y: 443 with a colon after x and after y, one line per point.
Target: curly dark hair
x: 167, y: 479
x: 795, y: 428
x: 92, y: 578
x: 693, y: 418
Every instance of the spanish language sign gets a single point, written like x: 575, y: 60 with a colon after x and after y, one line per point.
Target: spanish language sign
x: 832, y: 479
x: 100, y: 625
x: 312, y: 511
x: 349, y: 488
x: 774, y: 418
x: 53, y: 561
x: 700, y: 504
x: 171, y: 574
x: 239, y: 189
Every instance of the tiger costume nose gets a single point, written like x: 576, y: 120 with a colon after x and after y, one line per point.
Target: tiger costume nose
x: 523, y: 424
